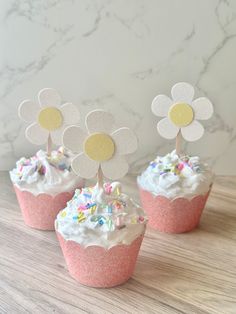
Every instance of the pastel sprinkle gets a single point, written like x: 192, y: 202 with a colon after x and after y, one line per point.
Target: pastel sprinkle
x: 110, y: 224
x: 109, y: 209
x: 92, y: 209
x: 81, y: 217
x: 63, y: 213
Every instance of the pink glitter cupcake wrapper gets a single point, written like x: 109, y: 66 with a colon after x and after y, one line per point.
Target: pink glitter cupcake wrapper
x: 40, y: 211
x: 96, y: 266
x: 173, y: 215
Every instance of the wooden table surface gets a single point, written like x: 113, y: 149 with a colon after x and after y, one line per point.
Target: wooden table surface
x: 186, y: 273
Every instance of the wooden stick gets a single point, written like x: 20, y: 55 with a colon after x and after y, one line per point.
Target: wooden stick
x: 178, y: 143
x: 100, y: 177
x: 49, y: 145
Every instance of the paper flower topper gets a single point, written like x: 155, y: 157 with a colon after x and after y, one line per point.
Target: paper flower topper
x: 100, y: 149
x: 48, y: 119
x: 181, y: 113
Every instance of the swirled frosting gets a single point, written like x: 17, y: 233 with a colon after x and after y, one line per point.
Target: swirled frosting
x: 45, y: 174
x: 103, y: 217
x: 173, y: 176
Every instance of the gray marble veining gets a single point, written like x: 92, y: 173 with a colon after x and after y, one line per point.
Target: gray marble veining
x: 118, y: 55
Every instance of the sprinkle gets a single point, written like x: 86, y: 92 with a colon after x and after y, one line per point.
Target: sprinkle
x: 153, y: 164
x: 81, y: 217
x: 87, y: 195
x: 109, y: 209
x: 62, y: 166
x: 92, y: 209
x: 118, y: 191
x: 117, y: 204
x: 110, y: 224
x: 98, y: 218
x: 63, y: 214
x: 108, y: 188
x: 119, y: 221
x: 95, y: 218
x: 82, y: 207
x: 180, y: 166
x: 141, y: 218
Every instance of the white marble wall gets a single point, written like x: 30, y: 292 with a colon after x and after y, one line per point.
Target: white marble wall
x: 117, y: 55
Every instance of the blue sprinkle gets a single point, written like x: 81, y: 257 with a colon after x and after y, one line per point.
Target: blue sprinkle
x: 87, y: 195
x: 109, y: 209
x: 62, y: 166
x: 75, y: 217
x: 90, y: 205
x: 153, y: 164
x: 101, y: 222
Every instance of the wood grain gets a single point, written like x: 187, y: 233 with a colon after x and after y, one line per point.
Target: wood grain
x: 186, y: 273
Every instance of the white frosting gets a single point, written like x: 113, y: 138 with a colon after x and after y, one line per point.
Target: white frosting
x: 172, y: 176
x: 43, y: 174
x: 103, y: 217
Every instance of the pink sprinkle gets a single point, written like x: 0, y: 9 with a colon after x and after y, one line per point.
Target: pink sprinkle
x: 108, y: 188
x: 82, y: 207
x: 181, y: 166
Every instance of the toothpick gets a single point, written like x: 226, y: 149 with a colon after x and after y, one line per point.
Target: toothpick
x: 49, y: 145
x: 178, y: 143
x: 100, y: 177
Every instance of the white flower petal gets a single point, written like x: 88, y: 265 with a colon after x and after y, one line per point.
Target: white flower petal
x: 193, y: 131
x: 73, y: 138
x: 115, y: 168
x: 125, y: 141
x: 70, y: 114
x: 56, y: 135
x: 28, y: 111
x: 203, y: 108
x: 161, y: 105
x: 182, y: 92
x: 167, y: 129
x: 99, y: 121
x: 49, y: 97
x: 84, y: 167
x: 36, y: 135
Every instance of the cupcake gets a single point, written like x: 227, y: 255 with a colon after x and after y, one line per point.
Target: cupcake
x: 43, y: 185
x: 45, y: 182
x: 101, y: 229
x: 174, y: 191
x: 100, y: 232
x: 174, y: 188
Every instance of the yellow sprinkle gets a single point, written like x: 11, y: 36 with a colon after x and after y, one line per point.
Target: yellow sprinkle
x: 92, y: 209
x: 118, y: 191
x: 63, y: 213
x: 81, y: 217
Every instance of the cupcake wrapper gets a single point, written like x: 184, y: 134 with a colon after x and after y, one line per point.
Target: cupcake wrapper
x: 173, y: 216
x: 96, y: 266
x: 40, y: 211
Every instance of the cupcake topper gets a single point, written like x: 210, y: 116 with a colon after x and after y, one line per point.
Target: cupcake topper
x: 49, y: 119
x: 100, y: 151
x: 181, y: 114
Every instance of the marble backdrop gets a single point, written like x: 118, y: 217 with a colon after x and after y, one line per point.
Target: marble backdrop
x: 118, y: 55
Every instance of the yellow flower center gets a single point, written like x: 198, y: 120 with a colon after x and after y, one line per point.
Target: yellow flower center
x: 50, y: 118
x: 181, y: 114
x: 99, y: 147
